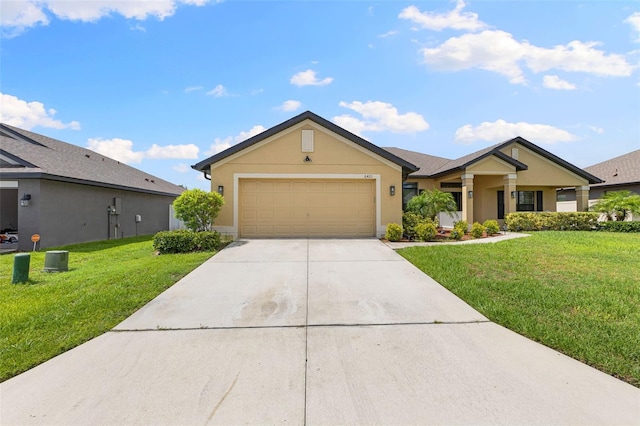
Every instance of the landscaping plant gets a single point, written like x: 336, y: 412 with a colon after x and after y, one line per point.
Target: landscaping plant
x: 429, y: 203
x: 426, y: 230
x: 409, y: 222
x: 477, y: 230
x: 394, y: 232
x: 617, y: 205
x: 198, y: 209
x: 491, y: 226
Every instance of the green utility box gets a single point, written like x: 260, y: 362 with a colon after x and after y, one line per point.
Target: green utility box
x: 56, y: 261
x: 21, y: 268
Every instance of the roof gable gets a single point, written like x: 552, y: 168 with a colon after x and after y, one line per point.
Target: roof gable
x: 204, y: 165
x: 42, y: 157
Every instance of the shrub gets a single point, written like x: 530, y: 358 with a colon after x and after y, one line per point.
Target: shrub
x: 462, y: 226
x: 409, y: 222
x: 477, y: 229
x: 394, y: 232
x: 184, y: 241
x: 456, y: 234
x: 554, y: 221
x: 618, y: 226
x: 198, y: 209
x: 426, y: 230
x: 491, y: 226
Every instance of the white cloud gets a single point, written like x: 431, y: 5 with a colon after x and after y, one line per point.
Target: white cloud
x: 501, y: 130
x: 499, y: 52
x: 598, y: 130
x: 555, y: 82
x: 379, y: 117
x: 219, y: 91
x: 577, y: 56
x: 290, y: 105
x: 192, y: 89
x: 455, y: 19
x: 186, y: 151
x: 27, y: 115
x: 17, y: 16
x: 182, y: 168
x: 118, y: 149
x: 122, y: 150
x: 388, y: 34
x: 634, y: 21
x: 308, y: 78
x: 495, y: 51
x: 220, y: 145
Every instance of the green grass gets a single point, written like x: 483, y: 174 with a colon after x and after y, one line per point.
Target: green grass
x: 576, y: 292
x: 107, y: 281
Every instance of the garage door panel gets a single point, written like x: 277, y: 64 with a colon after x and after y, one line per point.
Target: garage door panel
x: 312, y: 207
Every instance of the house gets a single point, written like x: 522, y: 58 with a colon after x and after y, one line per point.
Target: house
x: 310, y: 177
x: 619, y: 173
x: 68, y: 194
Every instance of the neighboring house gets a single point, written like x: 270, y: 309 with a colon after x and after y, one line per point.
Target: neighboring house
x: 310, y: 177
x: 619, y: 173
x: 68, y: 194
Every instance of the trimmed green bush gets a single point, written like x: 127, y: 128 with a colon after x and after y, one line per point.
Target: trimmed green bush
x: 409, y: 222
x: 184, y: 241
x: 552, y: 221
x: 426, y: 230
x: 618, y: 226
x: 491, y: 226
x: 456, y: 234
x: 477, y: 230
x: 462, y: 226
x: 394, y: 232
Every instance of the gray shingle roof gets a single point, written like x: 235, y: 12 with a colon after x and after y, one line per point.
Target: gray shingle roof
x: 621, y: 170
x: 431, y: 169
x: 48, y: 158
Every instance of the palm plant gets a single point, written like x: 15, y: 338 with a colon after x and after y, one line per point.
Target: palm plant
x: 616, y: 205
x: 429, y: 203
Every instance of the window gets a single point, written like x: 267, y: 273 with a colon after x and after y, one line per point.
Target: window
x: 528, y: 201
x: 525, y: 201
x: 457, y: 196
x: 409, y: 190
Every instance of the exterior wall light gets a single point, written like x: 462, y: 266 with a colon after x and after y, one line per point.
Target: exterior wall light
x: 307, y: 159
x: 513, y: 194
x: 470, y: 194
x: 392, y: 190
x: 220, y: 189
x: 24, y: 201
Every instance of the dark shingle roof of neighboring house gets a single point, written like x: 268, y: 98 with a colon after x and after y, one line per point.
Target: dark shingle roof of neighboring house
x: 28, y: 155
x: 436, y: 166
x: 622, y: 170
x: 407, y: 166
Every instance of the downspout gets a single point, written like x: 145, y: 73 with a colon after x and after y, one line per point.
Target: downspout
x: 205, y: 176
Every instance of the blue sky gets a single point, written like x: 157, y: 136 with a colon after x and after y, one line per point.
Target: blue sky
x: 164, y: 84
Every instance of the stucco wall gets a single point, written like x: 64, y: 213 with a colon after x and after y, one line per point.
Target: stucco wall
x: 65, y: 213
x: 332, y: 155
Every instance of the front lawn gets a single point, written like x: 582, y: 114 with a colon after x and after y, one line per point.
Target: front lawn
x: 577, y: 292
x: 107, y: 281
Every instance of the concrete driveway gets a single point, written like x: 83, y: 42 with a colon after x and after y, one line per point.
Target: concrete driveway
x: 313, y: 332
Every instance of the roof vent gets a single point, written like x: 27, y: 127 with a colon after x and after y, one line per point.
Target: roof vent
x: 87, y: 155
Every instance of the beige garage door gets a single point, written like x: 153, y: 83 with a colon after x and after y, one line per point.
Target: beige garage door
x: 306, y: 208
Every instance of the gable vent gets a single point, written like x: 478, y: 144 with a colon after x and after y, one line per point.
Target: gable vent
x: 307, y: 141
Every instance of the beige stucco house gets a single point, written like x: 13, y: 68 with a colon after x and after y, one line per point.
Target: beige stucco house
x: 310, y: 177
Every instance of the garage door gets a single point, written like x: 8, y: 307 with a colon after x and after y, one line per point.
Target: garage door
x: 306, y: 208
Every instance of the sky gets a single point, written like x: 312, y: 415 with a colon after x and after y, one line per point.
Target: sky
x: 164, y: 84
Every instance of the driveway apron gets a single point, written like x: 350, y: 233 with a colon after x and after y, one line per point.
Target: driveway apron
x: 313, y: 332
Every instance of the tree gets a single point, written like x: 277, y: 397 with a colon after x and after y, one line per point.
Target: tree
x: 198, y: 209
x: 616, y: 205
x: 430, y: 203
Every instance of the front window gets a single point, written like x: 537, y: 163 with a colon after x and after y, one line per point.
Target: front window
x: 525, y: 201
x: 409, y: 190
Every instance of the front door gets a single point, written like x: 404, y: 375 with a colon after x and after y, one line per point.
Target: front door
x: 500, y: 204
